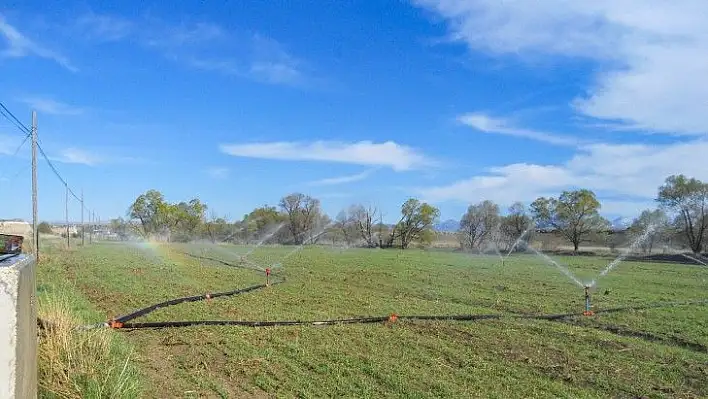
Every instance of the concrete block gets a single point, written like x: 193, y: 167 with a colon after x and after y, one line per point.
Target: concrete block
x: 18, y: 328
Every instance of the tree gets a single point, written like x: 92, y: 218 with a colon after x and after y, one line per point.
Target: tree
x: 575, y: 215
x: 303, y: 214
x: 364, y: 220
x: 653, y: 223
x: 216, y: 228
x: 149, y: 210
x: 514, y: 225
x: 159, y: 217
x: 262, y: 221
x: 478, y: 224
x: 344, y: 227
x: 120, y: 227
x: 688, y: 199
x: 416, y: 223
x: 44, y: 228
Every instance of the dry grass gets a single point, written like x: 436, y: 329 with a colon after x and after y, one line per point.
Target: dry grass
x: 80, y: 364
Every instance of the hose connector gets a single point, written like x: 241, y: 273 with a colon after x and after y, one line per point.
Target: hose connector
x: 113, y: 323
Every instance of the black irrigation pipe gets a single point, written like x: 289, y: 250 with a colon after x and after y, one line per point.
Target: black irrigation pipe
x: 194, y: 298
x: 388, y: 319
x: 118, y: 322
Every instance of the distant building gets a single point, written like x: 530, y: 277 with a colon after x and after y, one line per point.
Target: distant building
x: 61, y: 230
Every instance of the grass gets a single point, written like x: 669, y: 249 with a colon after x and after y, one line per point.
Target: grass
x: 653, y: 352
x: 78, y: 364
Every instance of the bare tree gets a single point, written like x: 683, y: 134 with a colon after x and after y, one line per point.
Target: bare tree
x: 514, y: 225
x: 303, y: 213
x: 478, y: 224
x: 364, y: 220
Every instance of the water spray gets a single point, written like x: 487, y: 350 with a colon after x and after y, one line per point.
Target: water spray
x: 588, y: 307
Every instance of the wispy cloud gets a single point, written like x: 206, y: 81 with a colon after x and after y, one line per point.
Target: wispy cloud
x: 78, y: 156
x: 202, y: 45
x: 93, y: 157
x: 651, y: 56
x: 19, y: 45
x: 50, y: 106
x: 390, y: 154
x: 629, y: 174
x: 103, y: 27
x: 487, y: 124
x: 218, y: 173
x: 330, y: 181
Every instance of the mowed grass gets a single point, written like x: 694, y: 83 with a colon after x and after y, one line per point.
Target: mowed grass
x: 656, y: 352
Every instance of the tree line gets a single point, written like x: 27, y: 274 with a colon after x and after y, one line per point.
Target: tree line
x: 298, y: 219
x: 681, y: 218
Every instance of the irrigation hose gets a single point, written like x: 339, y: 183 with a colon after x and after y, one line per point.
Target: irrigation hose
x: 391, y: 318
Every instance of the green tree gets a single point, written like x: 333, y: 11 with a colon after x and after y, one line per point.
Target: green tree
x: 44, y: 228
x: 157, y: 216
x: 416, y: 223
x: 149, y: 210
x: 688, y: 199
x: 261, y: 221
x: 217, y: 229
x: 575, y: 215
x: 478, y: 224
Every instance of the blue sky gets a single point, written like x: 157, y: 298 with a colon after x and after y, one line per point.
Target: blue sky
x: 366, y: 102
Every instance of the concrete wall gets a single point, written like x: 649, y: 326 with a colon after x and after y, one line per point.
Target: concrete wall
x: 18, y: 328
x: 17, y: 228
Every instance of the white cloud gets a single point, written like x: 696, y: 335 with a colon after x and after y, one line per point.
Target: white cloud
x: 19, y: 45
x: 390, y: 154
x: 652, y: 54
x: 218, y: 173
x: 487, y: 124
x: 78, y: 156
x: 49, y: 106
x: 614, y: 171
x: 342, y: 179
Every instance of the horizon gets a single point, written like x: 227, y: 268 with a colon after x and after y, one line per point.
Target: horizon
x: 448, y: 102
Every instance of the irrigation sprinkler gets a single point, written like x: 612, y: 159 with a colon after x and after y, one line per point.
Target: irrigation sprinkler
x: 267, y: 271
x: 588, y: 311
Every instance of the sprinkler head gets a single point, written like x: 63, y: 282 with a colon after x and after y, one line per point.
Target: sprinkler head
x: 588, y: 307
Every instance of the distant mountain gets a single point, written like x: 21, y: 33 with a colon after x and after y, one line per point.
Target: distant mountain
x: 448, y: 226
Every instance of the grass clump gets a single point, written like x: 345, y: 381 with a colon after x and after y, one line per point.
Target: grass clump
x: 74, y: 363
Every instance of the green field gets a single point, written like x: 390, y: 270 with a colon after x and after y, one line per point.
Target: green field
x: 654, y: 352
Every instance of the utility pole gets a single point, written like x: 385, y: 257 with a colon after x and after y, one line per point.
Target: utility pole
x: 35, y: 232
x: 83, y: 228
x: 66, y: 217
x: 90, y: 227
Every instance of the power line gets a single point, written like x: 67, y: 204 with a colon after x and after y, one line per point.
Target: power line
x: 12, y: 118
x: 5, y: 112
